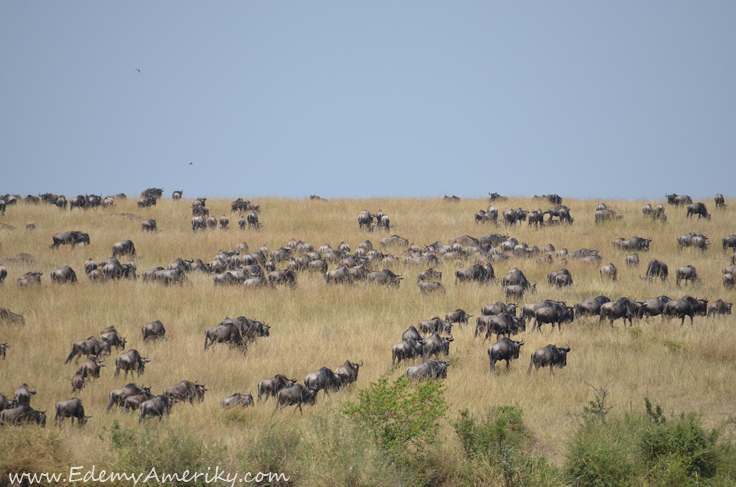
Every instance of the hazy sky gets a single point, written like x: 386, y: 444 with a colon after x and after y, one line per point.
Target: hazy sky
x: 358, y: 99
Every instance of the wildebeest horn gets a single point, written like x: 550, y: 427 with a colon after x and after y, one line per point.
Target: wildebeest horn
x: 361, y: 364
x: 521, y: 342
x: 34, y: 390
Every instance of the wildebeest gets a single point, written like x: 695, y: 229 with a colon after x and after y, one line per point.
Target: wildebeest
x: 635, y: 243
x: 22, y: 395
x: 686, y: 273
x: 498, y: 308
x: 435, y: 345
x: 177, y: 195
x: 153, y: 331
x: 252, y: 219
x: 296, y: 395
x: 654, y: 306
x: 501, y: 324
x: 238, y: 399
x: 23, y: 414
x: 212, y: 222
x: 200, y: 210
x: 698, y: 209
x: 198, y: 222
x: 430, y: 287
x: 656, y: 268
x: 73, y: 238
x: 325, y: 379
x: 186, y: 391
x: 729, y: 280
x: 156, y: 406
x: 124, y: 247
x: 90, y: 346
x: 348, y: 372
x: 606, y: 215
x: 91, y: 367
x: 146, y: 202
x: 536, y: 217
x: 549, y: 356
x: 224, y: 333
x: 458, y: 316
x: 552, y: 314
x: 63, y: 275
x: 3, y: 274
x: 678, y: 200
x: 385, y: 278
x: 338, y: 276
x: 272, y: 386
x: 483, y: 216
x: 78, y: 381
x: 8, y: 316
x: 30, y: 225
x: 497, y: 197
x: 515, y: 276
x: 152, y: 193
x: 553, y: 278
x: 590, y: 307
x: 608, y: 271
x: 5, y: 403
x: 729, y: 242
x: 720, y: 201
x: 622, y: 308
x: 429, y: 274
x: 130, y: 361
x: 632, y: 260
x: 393, y: 240
x: 4, y: 349
x: 511, y: 217
x: 435, y: 325
x: 686, y: 306
x: 111, y: 335
x: 431, y: 369
x: 411, y: 333
x: 407, y: 349
x: 286, y: 278
x: 516, y: 291
x: 477, y: 272
x: 365, y: 218
x: 504, y: 349
x: 720, y: 307
x: 71, y: 408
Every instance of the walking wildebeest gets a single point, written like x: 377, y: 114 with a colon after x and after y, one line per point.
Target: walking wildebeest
x: 156, y: 406
x: 153, y: 331
x: 549, y: 356
x: 296, y: 394
x: 124, y: 247
x: 504, y: 349
x: 271, y: 387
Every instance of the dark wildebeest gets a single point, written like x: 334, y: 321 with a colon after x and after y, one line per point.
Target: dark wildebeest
x: 348, y: 372
x: 394, y: 240
x: 608, y: 271
x: 590, y: 307
x: 729, y: 280
x: 130, y: 361
x: 549, y: 356
x: 655, y: 306
x: 496, y: 197
x: 515, y: 277
x: 91, y: 367
x: 687, y: 306
x: 430, y: 287
x: 536, y: 218
x: 453, y: 198
x: 720, y: 307
x: 287, y: 278
x: 686, y: 273
x: 458, y: 316
x: 72, y: 238
x: 435, y: 345
x: 477, y: 272
x: 224, y: 333
x: 23, y: 395
x: 177, y: 195
x: 656, y: 268
x: 224, y: 222
x: 429, y: 274
x: 407, y: 349
x: 511, y: 217
x: 198, y: 222
x: 152, y: 193
x: 153, y: 331
x: 498, y: 308
x: 146, y: 202
x: 606, y: 215
x: 435, y: 325
x: 252, y: 219
x: 516, y: 291
x: 272, y: 386
x: 156, y: 406
x: 71, y: 408
x: 4, y: 349
x: 111, y: 335
x: 186, y: 391
x: 338, y: 276
x: 552, y: 278
x: 385, y: 277
x: 200, y: 210
x: 504, y: 349
x: 63, y: 275
x: 635, y: 243
x: 90, y: 346
x: 678, y: 199
x: 5, y: 403
x: 411, y: 333
x: 78, y: 381
x: 3, y: 274
x: 632, y: 260
x: 124, y: 247
x: 729, y: 242
x: 296, y: 394
x: 212, y: 223
x: 90, y: 265
x: 622, y: 308
x: 7, y: 315
x: 720, y: 201
x: 325, y: 379
x: 698, y: 209
x: 553, y: 314
x: 431, y: 369
x: 238, y: 399
x: 149, y: 225
x: 23, y: 414
x: 501, y: 324
x: 365, y: 219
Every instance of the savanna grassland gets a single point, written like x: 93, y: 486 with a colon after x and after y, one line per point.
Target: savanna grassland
x: 682, y: 368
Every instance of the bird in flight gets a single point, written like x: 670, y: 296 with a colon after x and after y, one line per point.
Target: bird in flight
x: 138, y: 70
x: 191, y: 163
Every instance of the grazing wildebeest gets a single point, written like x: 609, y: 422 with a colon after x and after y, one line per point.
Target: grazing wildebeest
x: 224, y: 333
x: 407, y: 349
x: 296, y: 394
x: 146, y: 202
x: 365, y: 218
x: 429, y: 274
x: 607, y: 215
x: 552, y: 278
x: 124, y: 247
x: 238, y: 399
x: 477, y: 272
x: 435, y: 345
x: 515, y: 277
x: 153, y: 331
x: 91, y: 367
x: 678, y: 200
x: 622, y: 308
x: 252, y: 219
x: 498, y: 308
x: 720, y: 201
x: 720, y: 307
x: 130, y: 361
x: 516, y: 291
x: 23, y: 414
x: 435, y: 325
x: 63, y: 275
x: 348, y: 372
x: 698, y: 209
x: 608, y: 271
x: 632, y: 260
x: 496, y: 197
x: 430, y: 287
x: 635, y: 243
x: 411, y: 333
x: 511, y: 217
x: 549, y: 356
x: 149, y: 225
x: 504, y: 349
x: 590, y: 307
x: 111, y: 335
x: 71, y: 408
x: 272, y: 386
x: 156, y: 406
x: 78, y: 381
x: 431, y: 369
x: 186, y: 391
x: 338, y: 276
x: 287, y: 278
x: 656, y: 268
x: 686, y: 273
x: 385, y: 277
x: 325, y: 379
x: 729, y: 242
x: 9, y: 316
x: 72, y: 238
x: 198, y: 222
x: 458, y: 316
x: 90, y: 346
x: 22, y: 395
x: 552, y: 314
x: 686, y: 306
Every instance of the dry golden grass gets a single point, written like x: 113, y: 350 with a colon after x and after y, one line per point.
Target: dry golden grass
x: 690, y: 368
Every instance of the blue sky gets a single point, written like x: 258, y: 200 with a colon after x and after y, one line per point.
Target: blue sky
x: 360, y: 99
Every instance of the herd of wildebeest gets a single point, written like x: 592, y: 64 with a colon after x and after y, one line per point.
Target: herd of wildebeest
x: 428, y: 341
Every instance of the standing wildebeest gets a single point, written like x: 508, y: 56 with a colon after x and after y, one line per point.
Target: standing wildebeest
x: 238, y: 399
x: 511, y: 217
x: 500, y: 324
x: 224, y: 333
x: 4, y: 349
x: 365, y: 219
x: 504, y: 349
x: 338, y: 276
x: 90, y: 346
x: 130, y: 361
x: 720, y: 201
x: 553, y: 278
x: 23, y: 414
x: 698, y: 209
x: 272, y: 386
x: 224, y: 222
x: 153, y: 331
x: 654, y: 306
x: 552, y: 314
x: 3, y: 274
x: 435, y: 325
x: 656, y: 268
x: 608, y: 271
x: 198, y: 222
x: 287, y: 278
x: 720, y: 307
x: 212, y: 222
x: 71, y: 408
x: 72, y: 238
x: 149, y: 225
x: 687, y: 306
x: 431, y: 369
x: 186, y: 391
x: 146, y: 202
x: 111, y: 335
x: 30, y: 279
x: 515, y: 277
x: 458, y: 316
x: 407, y: 349
x: 429, y: 274
x: 63, y: 275
x: 91, y: 367
x: 325, y: 379
x: 496, y: 197
x: 632, y: 260
x: 590, y: 307
x: 606, y: 215
x: 411, y: 333
x: 177, y: 195
x: 678, y: 200
x: 156, y: 406
x: 634, y: 243
x: 729, y: 242
x: 22, y: 395
x: 430, y: 287
x: 252, y: 219
x: 686, y: 273
x: 477, y: 272
x: 348, y: 372
x: 124, y: 247
x: 536, y: 218
x: 622, y: 308
x: 296, y: 394
x: 549, y: 356
x: 498, y: 308
x: 435, y: 345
